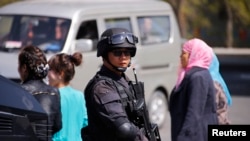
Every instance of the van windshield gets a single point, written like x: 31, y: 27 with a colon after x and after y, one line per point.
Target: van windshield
x: 47, y: 33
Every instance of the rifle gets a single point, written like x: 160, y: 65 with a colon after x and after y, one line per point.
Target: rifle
x: 141, y: 113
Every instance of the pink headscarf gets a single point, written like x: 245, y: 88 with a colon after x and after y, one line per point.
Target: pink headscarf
x: 200, y: 55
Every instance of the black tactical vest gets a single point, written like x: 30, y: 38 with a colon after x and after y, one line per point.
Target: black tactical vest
x: 126, y: 94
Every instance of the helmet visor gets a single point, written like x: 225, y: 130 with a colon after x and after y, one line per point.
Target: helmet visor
x: 120, y: 38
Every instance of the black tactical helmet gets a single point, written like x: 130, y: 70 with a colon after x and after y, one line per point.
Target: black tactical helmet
x: 114, y: 38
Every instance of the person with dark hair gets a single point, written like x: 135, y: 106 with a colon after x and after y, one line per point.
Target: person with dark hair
x: 74, y: 113
x: 192, y: 101
x: 33, y: 68
x: 107, y: 106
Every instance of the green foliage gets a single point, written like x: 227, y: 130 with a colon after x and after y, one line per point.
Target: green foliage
x: 4, y: 2
x: 240, y: 11
x: 208, y: 19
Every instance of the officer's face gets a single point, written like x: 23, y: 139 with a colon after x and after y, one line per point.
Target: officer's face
x: 120, y: 57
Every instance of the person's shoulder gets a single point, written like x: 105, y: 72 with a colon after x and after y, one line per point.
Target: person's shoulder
x: 75, y: 90
x: 39, y: 87
x: 26, y: 86
x: 74, y: 93
x: 99, y: 83
x: 50, y: 89
x: 102, y: 80
x: 197, y: 71
x: 103, y: 85
x: 200, y: 73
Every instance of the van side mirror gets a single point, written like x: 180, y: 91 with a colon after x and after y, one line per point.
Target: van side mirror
x: 84, y: 45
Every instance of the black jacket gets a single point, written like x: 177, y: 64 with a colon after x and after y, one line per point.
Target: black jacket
x: 49, y: 99
x: 193, y: 106
x: 106, y: 112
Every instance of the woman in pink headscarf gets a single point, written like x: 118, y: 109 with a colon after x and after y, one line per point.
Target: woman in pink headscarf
x: 192, y: 101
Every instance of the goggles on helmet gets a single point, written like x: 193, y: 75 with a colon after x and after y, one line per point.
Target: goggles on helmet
x: 120, y: 38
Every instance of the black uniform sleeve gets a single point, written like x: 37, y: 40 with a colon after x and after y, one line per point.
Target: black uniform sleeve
x: 111, y: 111
x: 58, y: 115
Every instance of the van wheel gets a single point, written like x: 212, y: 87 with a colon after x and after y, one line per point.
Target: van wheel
x: 157, y: 108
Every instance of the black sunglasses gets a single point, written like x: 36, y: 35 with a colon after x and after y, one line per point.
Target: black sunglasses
x: 119, y: 53
x: 120, y: 38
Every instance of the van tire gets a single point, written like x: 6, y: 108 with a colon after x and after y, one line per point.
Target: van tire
x: 158, y: 108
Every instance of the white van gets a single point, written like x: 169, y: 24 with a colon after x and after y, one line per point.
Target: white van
x: 79, y: 24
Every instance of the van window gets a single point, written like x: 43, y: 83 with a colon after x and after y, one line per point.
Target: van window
x: 6, y: 21
x: 119, y: 22
x: 88, y: 30
x: 154, y: 29
x: 47, y: 33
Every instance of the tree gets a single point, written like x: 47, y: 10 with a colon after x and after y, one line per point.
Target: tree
x: 4, y: 2
x: 177, y: 5
x: 237, y: 14
x: 218, y: 22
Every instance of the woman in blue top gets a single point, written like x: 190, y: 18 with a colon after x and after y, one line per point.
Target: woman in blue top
x: 74, y: 113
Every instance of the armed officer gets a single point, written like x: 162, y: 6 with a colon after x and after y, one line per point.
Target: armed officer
x: 107, y: 108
